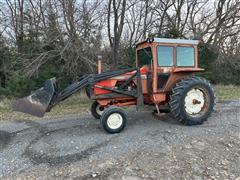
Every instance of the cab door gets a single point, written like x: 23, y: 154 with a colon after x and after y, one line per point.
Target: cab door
x: 145, y: 60
x: 165, y: 64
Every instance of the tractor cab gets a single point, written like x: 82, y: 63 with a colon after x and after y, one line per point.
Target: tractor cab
x: 167, y: 61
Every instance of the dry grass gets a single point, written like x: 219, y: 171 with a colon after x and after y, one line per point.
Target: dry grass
x: 76, y: 104
x: 229, y: 92
x: 79, y: 104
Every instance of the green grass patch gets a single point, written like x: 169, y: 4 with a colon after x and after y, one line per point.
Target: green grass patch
x: 228, y: 92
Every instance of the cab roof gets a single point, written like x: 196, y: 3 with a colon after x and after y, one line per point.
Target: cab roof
x: 168, y: 40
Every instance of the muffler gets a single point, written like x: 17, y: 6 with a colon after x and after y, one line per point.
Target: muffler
x: 39, y: 101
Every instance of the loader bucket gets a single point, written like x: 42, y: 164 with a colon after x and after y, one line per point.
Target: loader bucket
x: 38, y: 102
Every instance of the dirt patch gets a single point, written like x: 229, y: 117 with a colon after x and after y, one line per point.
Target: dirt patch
x: 211, y: 158
x: 199, y: 159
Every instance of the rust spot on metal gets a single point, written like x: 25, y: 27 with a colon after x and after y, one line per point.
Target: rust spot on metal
x: 195, y: 101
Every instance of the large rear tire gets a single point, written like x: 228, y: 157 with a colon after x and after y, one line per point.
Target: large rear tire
x: 192, y: 100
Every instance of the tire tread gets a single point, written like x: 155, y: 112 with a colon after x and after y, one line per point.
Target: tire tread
x: 176, y: 99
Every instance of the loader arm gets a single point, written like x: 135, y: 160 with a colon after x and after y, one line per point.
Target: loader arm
x: 43, y: 99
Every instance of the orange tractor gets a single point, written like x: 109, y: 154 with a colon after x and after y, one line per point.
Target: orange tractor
x: 163, y: 78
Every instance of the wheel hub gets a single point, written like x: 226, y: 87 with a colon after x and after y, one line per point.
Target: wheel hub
x: 114, y: 121
x: 194, y: 101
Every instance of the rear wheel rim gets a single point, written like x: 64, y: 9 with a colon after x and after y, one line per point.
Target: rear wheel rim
x: 115, y: 121
x: 196, y: 102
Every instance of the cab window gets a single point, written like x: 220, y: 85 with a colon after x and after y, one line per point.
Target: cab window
x: 165, y: 56
x: 185, y: 56
x: 144, y: 57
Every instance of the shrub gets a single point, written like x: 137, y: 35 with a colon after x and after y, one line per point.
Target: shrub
x: 21, y: 86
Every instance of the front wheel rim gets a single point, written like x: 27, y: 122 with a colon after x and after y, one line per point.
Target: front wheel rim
x: 196, y: 102
x: 115, y: 121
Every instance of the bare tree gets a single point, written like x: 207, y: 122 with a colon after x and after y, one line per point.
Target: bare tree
x: 118, y: 9
x: 16, y: 8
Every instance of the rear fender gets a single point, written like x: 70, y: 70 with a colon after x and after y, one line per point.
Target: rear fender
x: 176, y: 77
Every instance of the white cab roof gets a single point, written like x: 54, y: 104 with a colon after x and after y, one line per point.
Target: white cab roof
x: 177, y: 41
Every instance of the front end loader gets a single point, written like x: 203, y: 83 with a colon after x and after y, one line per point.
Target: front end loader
x: 164, y: 77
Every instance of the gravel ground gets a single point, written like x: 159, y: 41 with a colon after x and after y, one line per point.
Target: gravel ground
x: 149, y: 148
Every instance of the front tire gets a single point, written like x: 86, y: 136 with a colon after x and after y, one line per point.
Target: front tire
x: 192, y: 100
x: 113, y: 120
